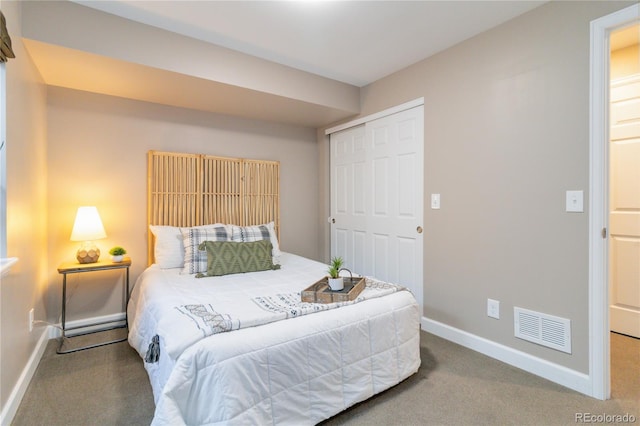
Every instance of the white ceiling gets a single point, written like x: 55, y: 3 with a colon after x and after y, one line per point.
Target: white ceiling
x: 355, y: 42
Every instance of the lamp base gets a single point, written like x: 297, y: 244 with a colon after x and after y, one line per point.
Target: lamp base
x: 88, y: 253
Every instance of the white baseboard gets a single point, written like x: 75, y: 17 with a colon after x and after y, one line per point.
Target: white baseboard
x: 13, y: 402
x: 564, y: 376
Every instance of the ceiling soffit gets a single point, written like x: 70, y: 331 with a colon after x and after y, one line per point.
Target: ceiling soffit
x: 102, y: 53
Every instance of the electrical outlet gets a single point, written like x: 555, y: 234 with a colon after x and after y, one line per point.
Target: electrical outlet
x: 493, y: 308
x: 31, y: 313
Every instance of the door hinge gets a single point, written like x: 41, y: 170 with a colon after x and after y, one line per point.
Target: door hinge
x: 604, y: 232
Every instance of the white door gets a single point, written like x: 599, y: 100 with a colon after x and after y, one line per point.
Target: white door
x: 624, y: 205
x: 377, y: 198
x: 348, y: 198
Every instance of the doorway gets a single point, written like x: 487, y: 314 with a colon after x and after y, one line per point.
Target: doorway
x: 624, y: 206
x: 624, y: 182
x: 599, y: 328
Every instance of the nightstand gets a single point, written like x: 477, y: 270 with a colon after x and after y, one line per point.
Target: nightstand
x: 81, y: 268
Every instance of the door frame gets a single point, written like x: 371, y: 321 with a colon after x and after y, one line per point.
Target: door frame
x: 599, y: 351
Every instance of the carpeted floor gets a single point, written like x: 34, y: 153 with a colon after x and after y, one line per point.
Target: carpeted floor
x: 454, y: 386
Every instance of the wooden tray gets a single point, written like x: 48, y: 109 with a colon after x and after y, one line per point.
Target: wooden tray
x: 320, y: 292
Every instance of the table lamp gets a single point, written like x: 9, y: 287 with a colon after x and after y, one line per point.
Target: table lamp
x: 87, y: 228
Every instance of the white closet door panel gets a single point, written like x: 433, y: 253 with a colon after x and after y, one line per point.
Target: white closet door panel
x: 342, y: 186
x: 341, y: 241
x: 379, y: 136
x: 359, y: 253
x: 379, y: 212
x: 405, y: 259
x: 406, y: 186
x: 348, y: 198
x: 382, y: 267
x: 381, y: 188
x: 359, y: 188
x: 407, y: 132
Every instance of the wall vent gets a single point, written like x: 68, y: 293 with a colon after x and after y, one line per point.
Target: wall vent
x: 543, y: 329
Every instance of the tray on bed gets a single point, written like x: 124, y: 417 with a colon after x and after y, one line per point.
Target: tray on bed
x: 320, y: 292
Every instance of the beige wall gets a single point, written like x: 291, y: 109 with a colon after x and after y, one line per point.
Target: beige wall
x: 96, y: 155
x: 24, y: 288
x: 506, y: 134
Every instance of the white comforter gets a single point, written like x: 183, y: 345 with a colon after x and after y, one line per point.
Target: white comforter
x: 296, y: 371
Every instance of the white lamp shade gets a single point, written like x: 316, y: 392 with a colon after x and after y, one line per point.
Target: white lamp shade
x: 88, y: 225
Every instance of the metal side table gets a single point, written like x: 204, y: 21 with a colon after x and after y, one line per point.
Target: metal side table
x: 79, y: 268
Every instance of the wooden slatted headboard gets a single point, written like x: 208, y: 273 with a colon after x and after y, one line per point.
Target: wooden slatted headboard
x: 194, y: 189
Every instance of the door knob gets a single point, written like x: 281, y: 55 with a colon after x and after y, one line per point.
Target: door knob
x: 419, y: 229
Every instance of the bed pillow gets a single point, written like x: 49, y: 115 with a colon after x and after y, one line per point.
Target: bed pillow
x: 168, y: 249
x: 195, y: 260
x: 266, y: 231
x: 232, y: 257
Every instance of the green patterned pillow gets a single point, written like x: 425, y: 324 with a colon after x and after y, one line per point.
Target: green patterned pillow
x: 231, y: 257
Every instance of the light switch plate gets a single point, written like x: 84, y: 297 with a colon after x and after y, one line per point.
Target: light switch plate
x: 575, y: 201
x: 435, y: 201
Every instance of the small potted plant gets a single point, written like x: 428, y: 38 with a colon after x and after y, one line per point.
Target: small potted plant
x: 335, y: 280
x: 117, y: 253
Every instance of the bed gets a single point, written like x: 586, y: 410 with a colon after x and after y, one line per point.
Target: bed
x: 240, y: 347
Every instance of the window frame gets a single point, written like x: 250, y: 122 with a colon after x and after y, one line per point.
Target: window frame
x: 5, y: 262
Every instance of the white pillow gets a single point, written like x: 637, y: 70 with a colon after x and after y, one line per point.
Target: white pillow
x: 265, y: 231
x: 169, y: 247
x: 168, y: 250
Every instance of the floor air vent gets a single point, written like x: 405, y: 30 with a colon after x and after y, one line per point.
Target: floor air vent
x: 543, y: 329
